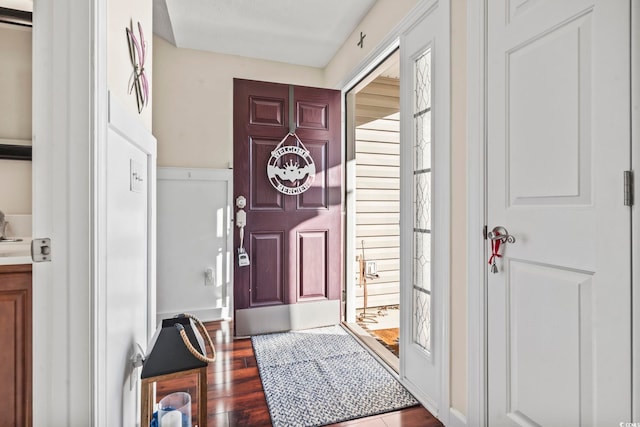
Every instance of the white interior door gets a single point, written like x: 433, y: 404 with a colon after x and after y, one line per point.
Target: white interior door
x: 424, y: 206
x: 559, y: 313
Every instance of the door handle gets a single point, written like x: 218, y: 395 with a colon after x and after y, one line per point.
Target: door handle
x: 501, y: 234
x: 241, y: 222
x: 498, y: 236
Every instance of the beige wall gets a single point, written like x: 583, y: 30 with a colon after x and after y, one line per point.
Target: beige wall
x: 193, y: 96
x: 15, y: 87
x: 378, y: 23
x: 458, y: 373
x: 120, y: 15
x: 15, y: 116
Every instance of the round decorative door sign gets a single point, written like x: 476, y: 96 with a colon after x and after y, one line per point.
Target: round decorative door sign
x: 296, y: 174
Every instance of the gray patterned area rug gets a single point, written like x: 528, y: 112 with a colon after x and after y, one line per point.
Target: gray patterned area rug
x: 323, y: 376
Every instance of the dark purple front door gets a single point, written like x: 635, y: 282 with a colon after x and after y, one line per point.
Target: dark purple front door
x: 293, y: 238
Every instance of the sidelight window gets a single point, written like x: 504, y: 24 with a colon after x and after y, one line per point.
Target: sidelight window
x: 422, y: 201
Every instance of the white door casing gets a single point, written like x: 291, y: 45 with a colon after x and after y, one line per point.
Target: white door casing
x: 66, y: 102
x: 558, y: 141
x: 635, y: 161
x: 425, y: 207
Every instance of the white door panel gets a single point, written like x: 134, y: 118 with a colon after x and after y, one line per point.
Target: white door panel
x: 127, y: 261
x: 558, y: 140
x: 424, y: 205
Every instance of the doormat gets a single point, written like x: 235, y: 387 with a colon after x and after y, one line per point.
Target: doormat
x: 388, y: 338
x: 323, y: 376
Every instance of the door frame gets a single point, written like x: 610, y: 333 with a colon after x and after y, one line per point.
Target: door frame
x: 635, y: 212
x: 65, y: 134
x: 477, y: 410
x: 391, y: 42
x: 476, y: 214
x: 349, y: 181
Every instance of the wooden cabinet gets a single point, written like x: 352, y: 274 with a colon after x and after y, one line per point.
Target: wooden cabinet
x: 15, y: 345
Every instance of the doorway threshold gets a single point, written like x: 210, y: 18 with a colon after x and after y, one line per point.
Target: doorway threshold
x: 374, y: 346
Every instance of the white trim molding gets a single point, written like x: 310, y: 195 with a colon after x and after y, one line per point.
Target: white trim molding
x: 635, y: 213
x: 456, y: 418
x: 476, y: 184
x: 100, y: 114
x: 65, y: 134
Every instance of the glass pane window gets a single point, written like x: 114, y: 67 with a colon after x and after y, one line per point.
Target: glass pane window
x: 422, y: 319
x: 422, y: 201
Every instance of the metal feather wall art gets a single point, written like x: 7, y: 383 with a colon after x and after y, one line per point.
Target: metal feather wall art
x: 138, y: 81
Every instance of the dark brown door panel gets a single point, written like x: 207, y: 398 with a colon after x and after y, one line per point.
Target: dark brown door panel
x: 294, y: 241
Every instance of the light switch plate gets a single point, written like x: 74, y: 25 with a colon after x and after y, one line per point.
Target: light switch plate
x: 136, y: 176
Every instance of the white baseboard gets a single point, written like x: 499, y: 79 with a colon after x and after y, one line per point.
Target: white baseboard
x: 206, y: 315
x: 456, y: 419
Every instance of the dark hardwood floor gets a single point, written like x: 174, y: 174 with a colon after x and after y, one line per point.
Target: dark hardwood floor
x: 236, y: 397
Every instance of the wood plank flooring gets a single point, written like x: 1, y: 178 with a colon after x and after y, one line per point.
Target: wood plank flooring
x: 236, y: 396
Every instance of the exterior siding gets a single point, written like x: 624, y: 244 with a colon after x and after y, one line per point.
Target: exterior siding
x: 378, y: 188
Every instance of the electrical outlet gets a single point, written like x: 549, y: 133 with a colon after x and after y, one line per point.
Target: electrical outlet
x: 209, y: 277
x: 370, y: 268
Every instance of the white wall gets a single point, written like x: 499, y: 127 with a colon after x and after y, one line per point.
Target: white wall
x: 194, y: 234
x: 15, y: 116
x: 193, y: 99
x: 126, y: 292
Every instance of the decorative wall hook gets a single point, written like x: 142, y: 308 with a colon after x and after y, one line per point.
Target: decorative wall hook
x: 361, y: 42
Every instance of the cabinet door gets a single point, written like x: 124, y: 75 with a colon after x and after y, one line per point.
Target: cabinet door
x: 15, y: 345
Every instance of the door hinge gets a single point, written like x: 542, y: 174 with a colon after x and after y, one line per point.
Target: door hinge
x: 628, y: 188
x: 484, y: 232
x: 41, y: 250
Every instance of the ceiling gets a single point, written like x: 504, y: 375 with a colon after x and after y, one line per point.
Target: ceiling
x: 302, y: 32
